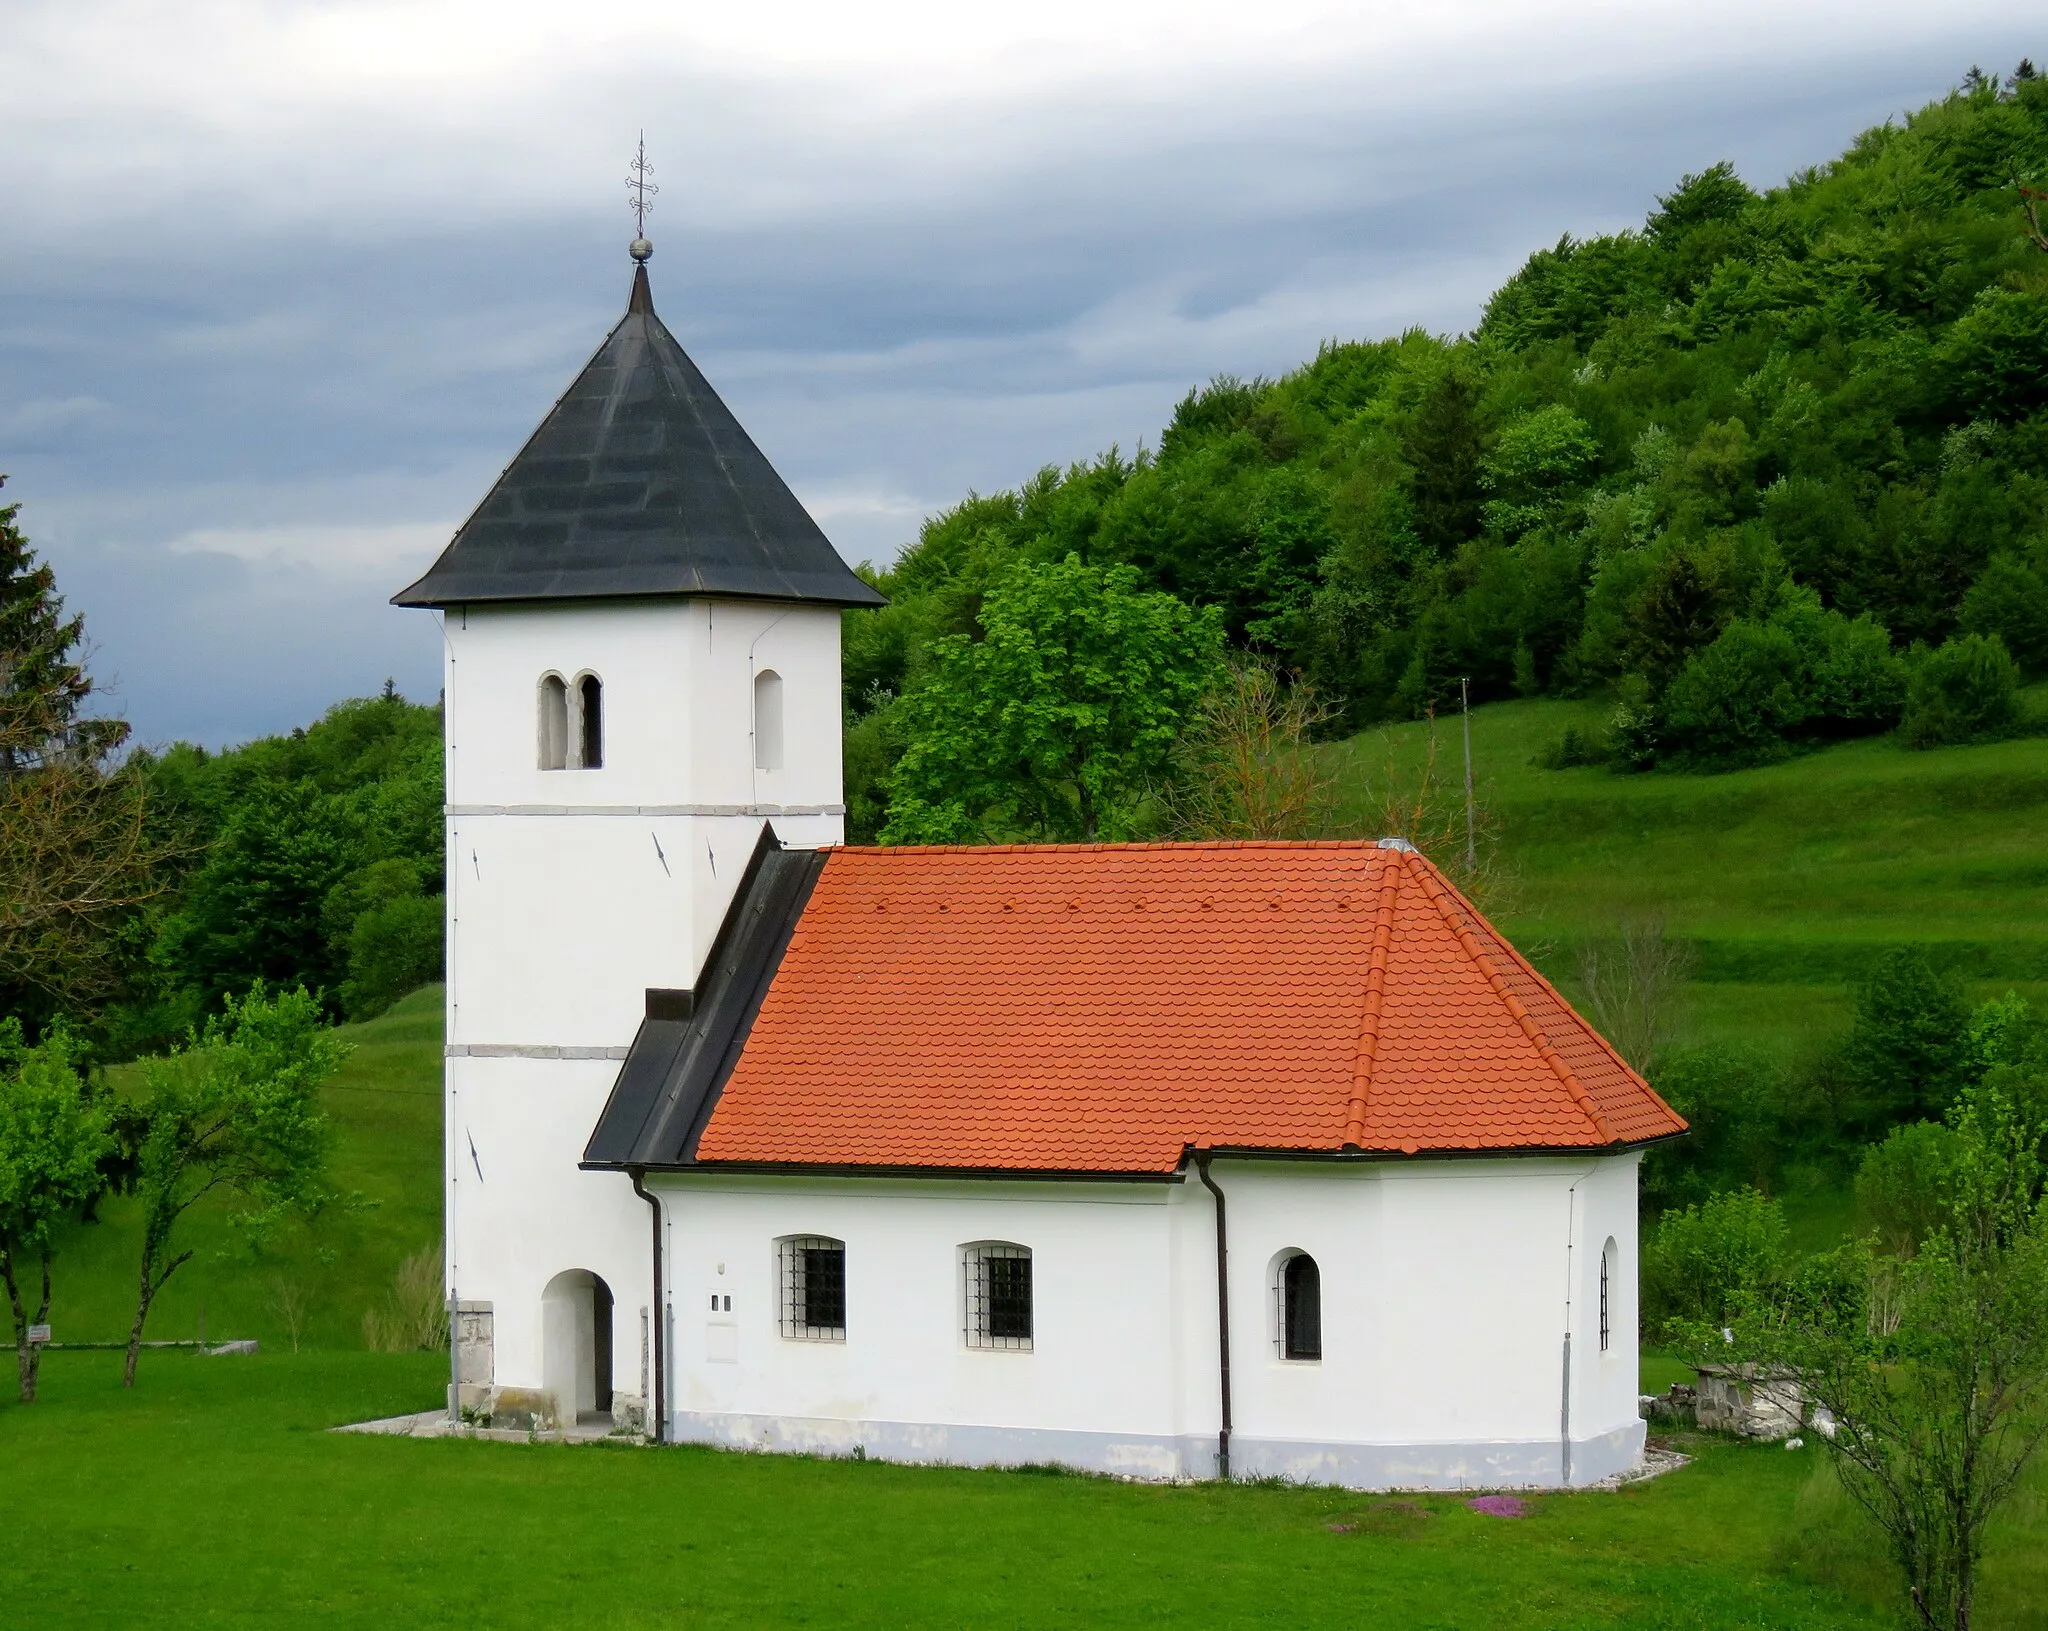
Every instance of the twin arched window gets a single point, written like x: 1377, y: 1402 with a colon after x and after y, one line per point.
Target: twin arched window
x: 567, y: 716
x: 1298, y: 1298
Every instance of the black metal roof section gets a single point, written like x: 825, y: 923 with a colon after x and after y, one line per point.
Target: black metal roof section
x: 676, y: 1068
x: 640, y: 482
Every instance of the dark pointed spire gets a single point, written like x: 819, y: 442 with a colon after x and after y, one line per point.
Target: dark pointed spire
x: 639, y: 483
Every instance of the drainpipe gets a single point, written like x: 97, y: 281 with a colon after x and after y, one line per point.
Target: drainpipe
x: 1222, y: 1314
x: 659, y: 1402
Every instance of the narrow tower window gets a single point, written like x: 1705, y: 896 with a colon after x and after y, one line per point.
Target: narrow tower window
x: 590, y: 697
x: 1606, y: 1295
x: 1301, y: 1308
x: 767, y: 720
x: 554, y: 723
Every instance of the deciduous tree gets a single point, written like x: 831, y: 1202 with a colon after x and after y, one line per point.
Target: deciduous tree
x: 53, y: 1140
x: 1062, y: 718
x: 235, y: 1110
x: 1246, y: 766
x: 77, y: 852
x: 1934, y: 1370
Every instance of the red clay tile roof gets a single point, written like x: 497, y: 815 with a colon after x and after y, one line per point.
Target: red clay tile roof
x: 1103, y: 1007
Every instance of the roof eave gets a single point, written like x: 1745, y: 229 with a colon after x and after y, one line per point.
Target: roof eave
x: 1173, y: 1174
x: 422, y: 596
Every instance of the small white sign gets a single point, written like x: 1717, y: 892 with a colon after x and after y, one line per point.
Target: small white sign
x: 39, y: 1333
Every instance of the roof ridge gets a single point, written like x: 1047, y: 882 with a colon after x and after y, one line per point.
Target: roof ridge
x: 1541, y: 979
x: 1437, y: 890
x: 1375, y: 1000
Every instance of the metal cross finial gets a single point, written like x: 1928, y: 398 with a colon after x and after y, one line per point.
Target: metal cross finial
x: 641, y: 185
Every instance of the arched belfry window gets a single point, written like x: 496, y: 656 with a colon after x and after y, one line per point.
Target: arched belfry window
x: 767, y: 720
x: 554, y: 723
x: 1607, y: 1267
x: 1298, y: 1290
x: 590, y: 722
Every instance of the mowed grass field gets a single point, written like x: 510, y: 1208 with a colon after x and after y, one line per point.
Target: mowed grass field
x: 1787, y: 880
x: 212, y: 1496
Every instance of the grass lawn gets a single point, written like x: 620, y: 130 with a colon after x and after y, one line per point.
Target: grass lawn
x: 210, y: 1496
x: 1788, y: 880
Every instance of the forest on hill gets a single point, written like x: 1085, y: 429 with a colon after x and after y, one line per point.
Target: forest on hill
x: 1771, y: 470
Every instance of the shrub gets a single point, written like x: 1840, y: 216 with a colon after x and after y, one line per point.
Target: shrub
x: 393, y: 949
x: 415, y: 1318
x: 1903, y: 1187
x: 1698, y: 1263
x: 1966, y: 690
x: 1804, y: 671
x: 1909, y: 1050
x: 1855, y: 681
x: 1734, y: 703
x: 1735, y: 1103
x: 1579, y: 745
x: 2011, y: 601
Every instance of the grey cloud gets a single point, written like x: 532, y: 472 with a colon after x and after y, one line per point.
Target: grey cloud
x: 194, y: 407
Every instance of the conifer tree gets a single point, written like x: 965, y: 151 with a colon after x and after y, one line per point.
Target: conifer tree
x: 76, y: 852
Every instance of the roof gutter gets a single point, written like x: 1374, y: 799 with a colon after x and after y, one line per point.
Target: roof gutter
x: 1222, y: 1313
x: 659, y: 1311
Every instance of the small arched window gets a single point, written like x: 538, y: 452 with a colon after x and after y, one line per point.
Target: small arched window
x: 1300, y: 1292
x: 590, y: 721
x: 767, y: 720
x: 1607, y: 1255
x: 998, y: 1313
x: 554, y: 723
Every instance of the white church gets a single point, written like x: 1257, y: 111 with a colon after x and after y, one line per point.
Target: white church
x: 1163, y: 1160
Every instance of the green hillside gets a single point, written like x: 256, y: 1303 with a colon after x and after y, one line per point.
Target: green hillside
x: 1737, y: 471
x: 1786, y: 879
x: 385, y: 1108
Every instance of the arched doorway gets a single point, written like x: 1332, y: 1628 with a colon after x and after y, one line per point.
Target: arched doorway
x: 576, y: 1345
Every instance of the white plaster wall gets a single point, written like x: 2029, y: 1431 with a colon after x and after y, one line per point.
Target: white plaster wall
x: 1105, y: 1315
x: 570, y: 892
x: 1443, y: 1299
x: 678, y: 700
x: 520, y: 1213
x: 1606, y: 1386
x: 1444, y: 1311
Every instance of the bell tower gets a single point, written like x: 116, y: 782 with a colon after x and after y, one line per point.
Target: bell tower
x: 641, y: 628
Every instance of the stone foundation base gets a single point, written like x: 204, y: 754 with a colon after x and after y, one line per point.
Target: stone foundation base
x: 1535, y: 1464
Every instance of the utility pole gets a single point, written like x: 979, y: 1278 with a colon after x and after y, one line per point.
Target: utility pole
x: 1471, y: 837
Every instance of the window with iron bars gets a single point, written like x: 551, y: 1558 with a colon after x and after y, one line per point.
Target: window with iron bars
x: 998, y: 1296
x: 811, y: 1271
x: 1301, y: 1308
x: 1606, y: 1275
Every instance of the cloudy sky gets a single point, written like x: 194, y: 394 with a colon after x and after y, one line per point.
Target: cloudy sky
x: 283, y: 283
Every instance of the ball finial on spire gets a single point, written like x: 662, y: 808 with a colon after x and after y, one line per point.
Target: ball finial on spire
x: 641, y: 185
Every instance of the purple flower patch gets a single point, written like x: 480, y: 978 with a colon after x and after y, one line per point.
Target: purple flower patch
x: 1500, y: 1506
